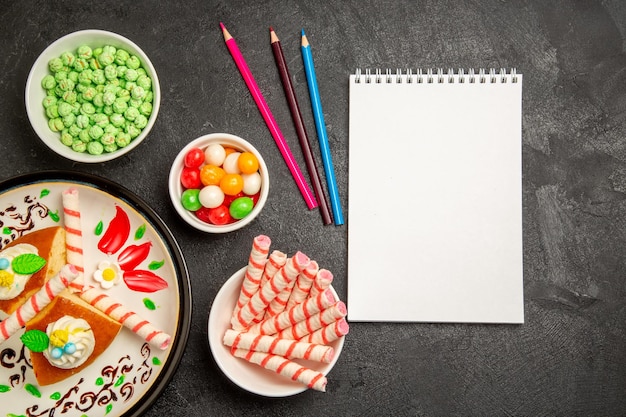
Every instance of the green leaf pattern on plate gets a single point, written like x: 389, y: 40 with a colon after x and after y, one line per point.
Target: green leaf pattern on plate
x: 154, y: 265
x: 141, y: 230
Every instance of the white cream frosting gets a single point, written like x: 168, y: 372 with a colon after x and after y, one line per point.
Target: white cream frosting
x: 72, y: 330
x: 19, y: 280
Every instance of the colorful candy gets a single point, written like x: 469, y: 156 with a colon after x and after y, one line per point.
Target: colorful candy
x: 221, y: 184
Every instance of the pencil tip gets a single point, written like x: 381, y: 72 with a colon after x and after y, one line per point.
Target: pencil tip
x: 271, y: 29
x: 222, y: 26
x: 303, y: 34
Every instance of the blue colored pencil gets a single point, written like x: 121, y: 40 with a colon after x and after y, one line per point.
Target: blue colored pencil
x: 320, y: 125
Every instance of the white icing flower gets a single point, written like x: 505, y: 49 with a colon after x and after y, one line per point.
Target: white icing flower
x: 71, y: 342
x: 12, y: 284
x: 108, y: 274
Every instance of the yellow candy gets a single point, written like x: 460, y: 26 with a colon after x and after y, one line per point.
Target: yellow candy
x: 6, y: 279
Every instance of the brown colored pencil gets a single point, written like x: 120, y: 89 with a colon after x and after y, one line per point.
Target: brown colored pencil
x: 294, y: 108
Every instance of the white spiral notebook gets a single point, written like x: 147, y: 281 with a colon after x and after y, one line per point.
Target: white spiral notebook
x: 435, y: 197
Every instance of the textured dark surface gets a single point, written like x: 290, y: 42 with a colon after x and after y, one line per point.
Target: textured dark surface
x: 568, y: 359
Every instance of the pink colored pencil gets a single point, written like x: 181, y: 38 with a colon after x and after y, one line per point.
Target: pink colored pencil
x: 269, y: 119
x: 285, y: 367
x: 329, y: 333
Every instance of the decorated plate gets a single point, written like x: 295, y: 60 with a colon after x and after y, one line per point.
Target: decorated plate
x: 131, y: 260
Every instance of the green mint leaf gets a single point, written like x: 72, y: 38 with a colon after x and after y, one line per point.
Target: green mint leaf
x: 27, y: 263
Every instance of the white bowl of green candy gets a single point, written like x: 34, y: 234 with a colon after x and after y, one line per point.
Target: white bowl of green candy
x: 92, y: 96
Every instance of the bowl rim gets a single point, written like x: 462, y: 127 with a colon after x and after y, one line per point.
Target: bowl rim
x: 175, y: 187
x: 44, y: 133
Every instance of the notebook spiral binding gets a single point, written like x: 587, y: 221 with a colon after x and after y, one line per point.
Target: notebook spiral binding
x: 439, y: 76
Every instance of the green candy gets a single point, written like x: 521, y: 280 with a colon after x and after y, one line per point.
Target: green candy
x: 241, y: 207
x: 133, y: 62
x: 52, y: 111
x: 144, y: 82
x: 120, y: 105
x: 132, y: 130
x: 95, y: 148
x: 60, y: 75
x: 110, y: 148
x: 49, y: 101
x: 69, y: 97
x: 81, y: 65
x: 56, y: 125
x: 84, y: 52
x: 66, y: 138
x: 131, y: 113
x: 131, y: 75
x: 117, y: 120
x: 145, y: 108
x: 141, y: 121
x: 79, y: 146
x: 87, y: 108
x: 68, y: 59
x: 96, y: 132
x: 190, y: 200
x: 55, y: 64
x: 100, y: 119
x: 69, y: 120
x: 48, y: 82
x: 64, y: 108
x: 122, y: 139
x: 121, y: 56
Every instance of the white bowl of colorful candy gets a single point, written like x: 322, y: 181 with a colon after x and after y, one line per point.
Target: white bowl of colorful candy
x: 92, y: 96
x: 219, y: 183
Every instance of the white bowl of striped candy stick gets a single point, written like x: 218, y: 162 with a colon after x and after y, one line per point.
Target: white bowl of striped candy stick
x: 240, y: 354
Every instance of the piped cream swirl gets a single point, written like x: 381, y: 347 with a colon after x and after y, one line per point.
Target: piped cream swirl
x: 69, y: 330
x: 10, y: 290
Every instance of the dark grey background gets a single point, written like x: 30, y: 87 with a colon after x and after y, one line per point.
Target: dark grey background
x: 568, y: 359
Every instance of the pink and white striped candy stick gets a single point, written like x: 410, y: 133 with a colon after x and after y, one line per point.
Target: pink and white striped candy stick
x: 276, y: 261
x: 283, y: 366
x: 261, y: 299
x: 37, y: 302
x: 291, y: 349
x: 329, y: 333
x: 322, y: 280
x: 295, y: 314
x: 73, y: 235
x: 279, y: 302
x: 317, y: 321
x: 127, y: 318
x: 302, y: 287
x: 254, y: 272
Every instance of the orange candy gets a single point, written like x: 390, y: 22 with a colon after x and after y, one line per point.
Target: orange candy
x: 248, y: 163
x: 229, y: 150
x: 211, y: 175
x: 231, y: 184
